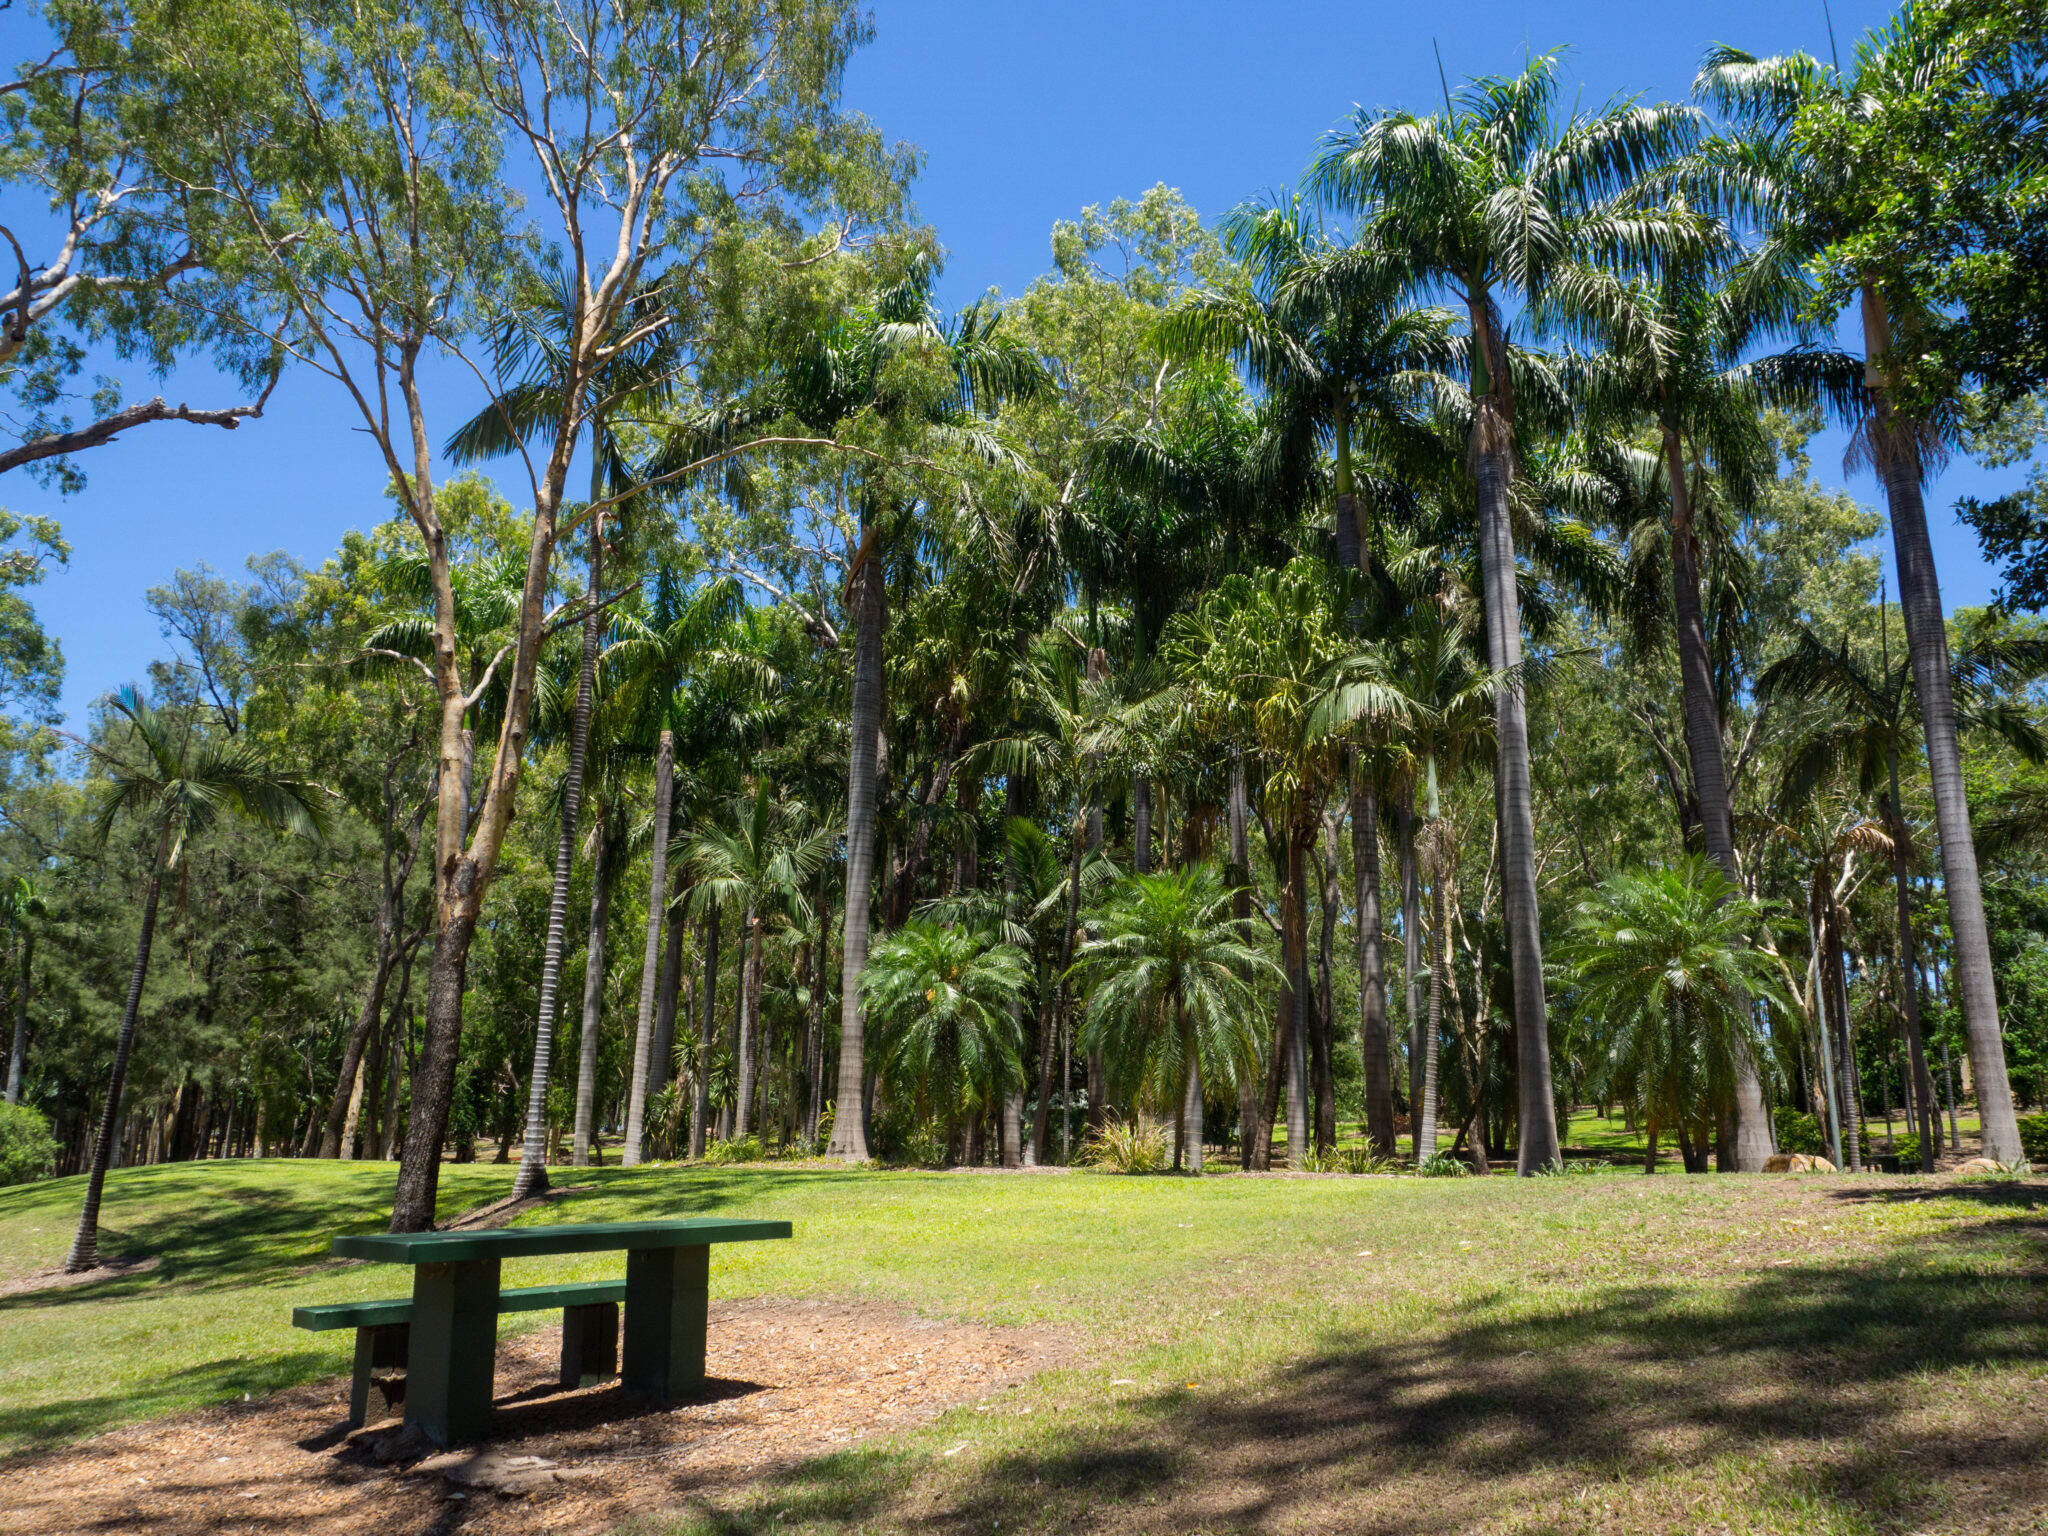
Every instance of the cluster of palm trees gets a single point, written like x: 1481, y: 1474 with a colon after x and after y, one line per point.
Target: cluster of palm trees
x: 1286, y: 583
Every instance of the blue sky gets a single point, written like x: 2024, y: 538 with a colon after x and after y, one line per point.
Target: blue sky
x: 1025, y: 112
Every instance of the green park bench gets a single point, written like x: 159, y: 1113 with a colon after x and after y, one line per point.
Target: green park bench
x: 446, y: 1336
x: 590, y: 1331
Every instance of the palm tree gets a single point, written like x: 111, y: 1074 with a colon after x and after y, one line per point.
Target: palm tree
x: 1867, y: 728
x: 683, y: 635
x: 1665, y: 983
x: 176, y: 784
x: 1812, y: 191
x: 1170, y: 975
x: 1500, y: 191
x: 1674, y: 348
x: 847, y: 371
x: 760, y: 863
x: 21, y: 907
x: 941, y: 998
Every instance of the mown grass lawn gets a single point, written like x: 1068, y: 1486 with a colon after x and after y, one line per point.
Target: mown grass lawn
x: 1564, y: 1354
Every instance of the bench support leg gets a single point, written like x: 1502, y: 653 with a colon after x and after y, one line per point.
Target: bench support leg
x: 667, y: 1302
x: 380, y: 1344
x: 590, y: 1343
x: 453, y: 1359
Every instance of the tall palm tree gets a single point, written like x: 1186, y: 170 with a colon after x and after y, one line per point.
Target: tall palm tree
x: 682, y: 636
x: 760, y: 862
x: 941, y: 1000
x: 1675, y: 349
x: 1665, y: 984
x: 1170, y: 977
x: 1813, y: 195
x: 21, y: 908
x: 1866, y: 729
x: 839, y: 376
x: 175, y: 783
x: 1496, y: 193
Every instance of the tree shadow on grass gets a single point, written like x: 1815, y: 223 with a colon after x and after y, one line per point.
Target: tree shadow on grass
x: 51, y: 1425
x: 1892, y: 1392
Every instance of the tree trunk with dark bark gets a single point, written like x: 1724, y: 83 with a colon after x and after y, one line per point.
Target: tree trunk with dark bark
x: 849, y: 1128
x: 650, y: 966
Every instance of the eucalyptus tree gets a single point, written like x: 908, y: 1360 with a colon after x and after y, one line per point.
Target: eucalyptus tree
x: 1861, y: 725
x: 1171, y: 980
x: 173, y: 781
x: 1490, y: 198
x: 1666, y: 989
x: 400, y: 234
x: 1798, y: 168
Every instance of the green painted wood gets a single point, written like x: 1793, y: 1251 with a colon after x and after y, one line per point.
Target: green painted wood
x: 668, y: 1297
x: 523, y: 1298
x: 453, y: 1362
x: 527, y: 1242
x: 590, y: 1343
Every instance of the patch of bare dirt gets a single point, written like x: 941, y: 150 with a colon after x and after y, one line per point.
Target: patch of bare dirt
x: 57, y: 1280
x: 790, y: 1380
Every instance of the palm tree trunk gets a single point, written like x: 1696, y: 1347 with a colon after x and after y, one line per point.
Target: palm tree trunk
x: 1237, y: 813
x: 750, y: 1068
x: 532, y: 1177
x: 1294, y: 942
x: 661, y: 1056
x: 650, y: 973
x: 1191, y: 1113
x: 1425, y: 1113
x: 1141, y: 824
x: 849, y: 1128
x: 1372, y: 964
x: 1709, y: 766
x: 1324, y: 1039
x: 1492, y: 466
x: 1411, y: 949
x: 17, y: 1058
x: 1909, y: 971
x: 1900, y: 466
x: 707, y: 1035
x: 593, y: 997
x: 85, y: 1247
x: 1834, y: 979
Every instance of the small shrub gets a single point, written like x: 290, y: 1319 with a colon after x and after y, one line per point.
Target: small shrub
x: 2034, y: 1137
x: 27, y: 1149
x: 743, y: 1149
x: 826, y: 1120
x: 1797, y: 1132
x: 1322, y: 1160
x: 2002, y: 1173
x: 1127, y: 1148
x: 1365, y: 1160
x: 1441, y: 1165
x: 1908, y: 1149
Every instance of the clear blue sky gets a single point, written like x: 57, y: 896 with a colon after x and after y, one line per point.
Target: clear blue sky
x: 1026, y: 112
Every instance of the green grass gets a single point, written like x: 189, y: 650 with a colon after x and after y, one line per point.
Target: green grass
x: 1689, y: 1354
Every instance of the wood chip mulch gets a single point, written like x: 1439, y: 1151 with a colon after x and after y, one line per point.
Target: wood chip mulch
x: 790, y: 1380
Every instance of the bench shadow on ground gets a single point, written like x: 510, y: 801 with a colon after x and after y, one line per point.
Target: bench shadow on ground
x: 1802, y: 1380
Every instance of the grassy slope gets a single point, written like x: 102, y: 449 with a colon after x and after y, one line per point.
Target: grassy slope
x: 1559, y: 1354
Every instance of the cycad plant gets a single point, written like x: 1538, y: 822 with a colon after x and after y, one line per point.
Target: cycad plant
x: 175, y: 783
x: 942, y: 1000
x: 1494, y: 196
x: 1666, y: 988
x: 1172, y: 994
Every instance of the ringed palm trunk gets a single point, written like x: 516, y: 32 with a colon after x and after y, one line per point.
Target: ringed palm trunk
x: 750, y: 1026
x: 1492, y: 472
x: 1372, y: 966
x: 849, y: 1126
x: 85, y: 1247
x: 532, y: 1177
x: 1909, y: 972
x: 1901, y: 468
x: 1295, y: 944
x: 1425, y: 1113
x: 1709, y: 766
x: 1411, y: 948
x: 1238, y: 819
x: 593, y: 999
x: 650, y: 967
x: 1191, y: 1110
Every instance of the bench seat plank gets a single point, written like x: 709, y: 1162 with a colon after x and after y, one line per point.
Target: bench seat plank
x: 524, y: 1298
